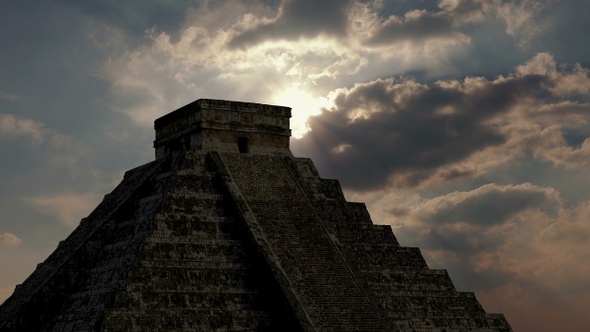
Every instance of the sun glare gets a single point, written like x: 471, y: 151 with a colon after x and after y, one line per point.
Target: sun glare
x: 303, y: 105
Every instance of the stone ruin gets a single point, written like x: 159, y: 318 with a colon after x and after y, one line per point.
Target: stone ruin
x: 227, y: 231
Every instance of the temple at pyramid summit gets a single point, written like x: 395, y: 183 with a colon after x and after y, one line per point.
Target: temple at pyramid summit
x: 227, y: 231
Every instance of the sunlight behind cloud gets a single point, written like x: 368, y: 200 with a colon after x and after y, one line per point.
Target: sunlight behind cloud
x: 303, y: 105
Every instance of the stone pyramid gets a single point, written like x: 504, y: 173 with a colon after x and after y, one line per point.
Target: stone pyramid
x: 227, y: 231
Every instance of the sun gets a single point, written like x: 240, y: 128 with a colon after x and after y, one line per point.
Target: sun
x: 303, y: 105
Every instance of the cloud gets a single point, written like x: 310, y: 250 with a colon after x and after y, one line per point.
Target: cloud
x: 455, y: 18
x: 520, y: 18
x: 174, y: 69
x: 554, y: 147
x: 401, y: 132
x: 8, y: 97
x: 415, y: 26
x: 358, y: 28
x: 9, y: 240
x: 297, y: 19
x: 489, y: 205
x: 36, y: 133
x: 473, y: 222
x: 258, y: 52
x: 12, y: 127
x: 363, y: 21
x: 67, y: 208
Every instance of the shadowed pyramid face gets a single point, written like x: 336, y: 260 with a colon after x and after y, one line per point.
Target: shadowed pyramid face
x: 225, y: 126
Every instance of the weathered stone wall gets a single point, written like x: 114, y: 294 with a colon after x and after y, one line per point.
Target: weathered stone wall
x: 216, y: 125
x: 258, y: 143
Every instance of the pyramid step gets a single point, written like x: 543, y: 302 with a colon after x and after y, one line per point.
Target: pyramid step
x: 202, y: 214
x: 132, y: 222
x: 126, y: 240
x: 410, y: 313
x: 214, y: 285
x: 499, y: 322
x: 193, y: 249
x: 388, y: 256
x: 139, y: 288
x: 357, y: 212
x: 365, y: 234
x: 165, y: 175
x: 201, y: 182
x: 195, y: 299
x: 325, y: 189
x: 391, y: 289
x: 77, y: 322
x: 415, y: 279
x: 196, y: 198
x: 149, y: 199
x: 434, y: 323
x: 420, y: 295
x: 180, y: 320
x: 192, y: 170
x: 187, y: 320
x: 403, y: 271
x: 434, y: 303
x: 130, y: 232
x: 152, y: 241
x: 199, y: 229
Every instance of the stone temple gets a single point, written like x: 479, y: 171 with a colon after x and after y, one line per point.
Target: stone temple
x: 227, y: 231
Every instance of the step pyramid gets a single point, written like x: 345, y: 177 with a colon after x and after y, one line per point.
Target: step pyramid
x: 227, y: 231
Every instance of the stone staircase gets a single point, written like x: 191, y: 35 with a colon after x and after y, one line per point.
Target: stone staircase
x: 311, y: 263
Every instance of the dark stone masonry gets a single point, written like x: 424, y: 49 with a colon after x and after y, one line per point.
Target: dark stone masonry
x: 227, y: 231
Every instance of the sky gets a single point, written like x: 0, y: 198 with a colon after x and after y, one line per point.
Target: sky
x: 462, y: 124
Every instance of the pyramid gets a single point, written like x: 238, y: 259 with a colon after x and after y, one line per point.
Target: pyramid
x: 227, y: 231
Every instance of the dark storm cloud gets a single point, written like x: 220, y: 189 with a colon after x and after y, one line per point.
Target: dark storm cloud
x: 455, y: 239
x: 416, y: 29
x: 467, y: 222
x: 401, y: 22
x: 408, y: 130
x: 299, y: 18
x: 388, y: 8
x: 419, y: 25
x: 492, y: 205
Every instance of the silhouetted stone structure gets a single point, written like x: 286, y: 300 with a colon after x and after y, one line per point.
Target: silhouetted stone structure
x: 226, y: 230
